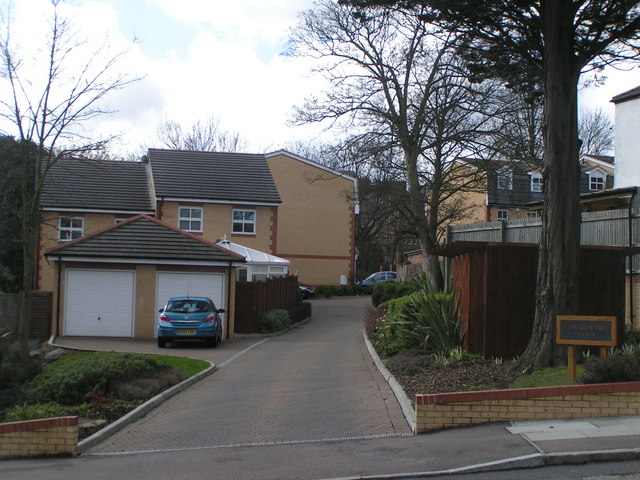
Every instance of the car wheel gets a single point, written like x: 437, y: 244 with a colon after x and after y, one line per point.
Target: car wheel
x: 213, y: 342
x: 162, y: 343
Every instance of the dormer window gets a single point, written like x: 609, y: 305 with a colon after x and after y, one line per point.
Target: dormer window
x: 505, y: 179
x: 596, y: 182
x: 536, y: 182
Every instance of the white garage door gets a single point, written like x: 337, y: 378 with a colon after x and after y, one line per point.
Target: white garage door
x: 172, y: 284
x: 99, y: 303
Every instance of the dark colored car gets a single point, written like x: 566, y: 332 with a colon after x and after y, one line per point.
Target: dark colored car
x: 306, y: 290
x: 190, y: 318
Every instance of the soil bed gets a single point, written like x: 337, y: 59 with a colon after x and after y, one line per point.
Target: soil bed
x: 419, y: 374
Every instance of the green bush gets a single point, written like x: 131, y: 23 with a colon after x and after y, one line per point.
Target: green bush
x: 385, y: 291
x: 426, y: 321
x: 619, y: 367
x: 274, y: 321
x: 92, y: 373
x: 631, y: 335
x: 299, y: 312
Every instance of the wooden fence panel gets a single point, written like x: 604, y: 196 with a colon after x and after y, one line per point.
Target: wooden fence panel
x: 254, y: 299
x: 41, y: 310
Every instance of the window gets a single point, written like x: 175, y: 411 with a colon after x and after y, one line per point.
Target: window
x: 536, y: 182
x: 277, y: 272
x: 70, y: 228
x: 505, y: 179
x: 190, y: 219
x: 503, y: 215
x: 596, y: 183
x: 244, y: 222
x: 532, y: 214
x: 259, y: 272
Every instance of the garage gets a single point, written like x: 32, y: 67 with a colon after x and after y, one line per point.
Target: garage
x: 115, y: 281
x: 99, y: 303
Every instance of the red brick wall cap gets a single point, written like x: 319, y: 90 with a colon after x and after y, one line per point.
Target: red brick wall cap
x: 524, y: 393
x: 30, y: 425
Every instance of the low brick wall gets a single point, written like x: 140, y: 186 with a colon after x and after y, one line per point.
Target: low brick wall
x: 49, y: 436
x: 446, y: 410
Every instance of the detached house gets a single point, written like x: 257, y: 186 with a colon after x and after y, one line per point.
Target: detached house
x: 512, y: 187
x: 119, y: 238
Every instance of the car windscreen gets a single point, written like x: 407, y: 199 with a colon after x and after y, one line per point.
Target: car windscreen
x: 188, y: 306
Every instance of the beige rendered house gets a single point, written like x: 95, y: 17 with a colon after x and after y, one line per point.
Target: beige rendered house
x: 131, y: 234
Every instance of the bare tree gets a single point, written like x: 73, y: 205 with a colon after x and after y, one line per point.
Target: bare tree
x: 51, y: 100
x: 394, y: 82
x: 596, y: 132
x: 203, y: 135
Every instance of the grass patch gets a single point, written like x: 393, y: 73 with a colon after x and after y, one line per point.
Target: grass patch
x: 188, y: 366
x: 546, y: 377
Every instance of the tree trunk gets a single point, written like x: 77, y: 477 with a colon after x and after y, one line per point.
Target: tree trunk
x: 417, y: 200
x: 557, y: 280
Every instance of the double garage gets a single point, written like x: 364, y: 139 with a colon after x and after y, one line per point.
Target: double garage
x: 113, y: 283
x: 101, y: 303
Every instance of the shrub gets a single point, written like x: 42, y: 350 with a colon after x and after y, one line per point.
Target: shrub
x: 274, y: 321
x: 16, y: 369
x: 91, y: 373
x: 385, y: 291
x: 299, y: 312
x: 425, y: 320
x: 631, y: 335
x: 619, y: 367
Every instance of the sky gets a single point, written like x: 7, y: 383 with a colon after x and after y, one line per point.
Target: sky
x: 209, y: 58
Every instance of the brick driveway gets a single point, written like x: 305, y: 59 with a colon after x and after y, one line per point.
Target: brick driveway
x: 315, y: 382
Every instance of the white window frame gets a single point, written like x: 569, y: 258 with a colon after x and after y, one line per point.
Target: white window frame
x: 244, y: 222
x: 502, y: 213
x: 186, y: 218
x: 69, y: 232
x: 536, y: 182
x: 533, y: 214
x: 598, y: 181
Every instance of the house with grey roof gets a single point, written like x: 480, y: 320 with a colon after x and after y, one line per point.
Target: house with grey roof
x: 118, y: 238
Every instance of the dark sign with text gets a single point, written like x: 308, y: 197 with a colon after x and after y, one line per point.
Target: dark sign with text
x: 586, y: 330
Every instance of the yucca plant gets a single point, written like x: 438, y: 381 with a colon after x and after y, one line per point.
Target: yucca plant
x: 426, y: 320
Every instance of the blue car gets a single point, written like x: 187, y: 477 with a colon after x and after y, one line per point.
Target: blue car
x: 190, y: 318
x: 378, y: 277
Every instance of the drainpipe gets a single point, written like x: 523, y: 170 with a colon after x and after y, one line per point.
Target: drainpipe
x: 630, y: 219
x: 57, y: 329
x: 229, y: 300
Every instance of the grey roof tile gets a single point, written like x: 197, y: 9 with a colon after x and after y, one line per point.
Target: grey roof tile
x: 145, y: 238
x: 98, y: 185
x: 211, y: 176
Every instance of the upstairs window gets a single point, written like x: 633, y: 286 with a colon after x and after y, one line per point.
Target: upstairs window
x: 70, y: 228
x: 596, y: 183
x: 536, y: 182
x: 243, y: 222
x: 190, y: 219
x: 505, y: 179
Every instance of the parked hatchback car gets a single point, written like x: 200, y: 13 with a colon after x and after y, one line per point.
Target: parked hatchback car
x: 306, y: 290
x: 378, y: 277
x: 190, y: 318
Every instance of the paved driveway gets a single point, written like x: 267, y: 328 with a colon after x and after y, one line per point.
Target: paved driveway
x: 315, y: 382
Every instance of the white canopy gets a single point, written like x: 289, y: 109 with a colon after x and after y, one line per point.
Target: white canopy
x: 252, y: 256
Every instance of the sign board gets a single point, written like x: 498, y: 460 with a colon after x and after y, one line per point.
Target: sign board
x: 586, y: 330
